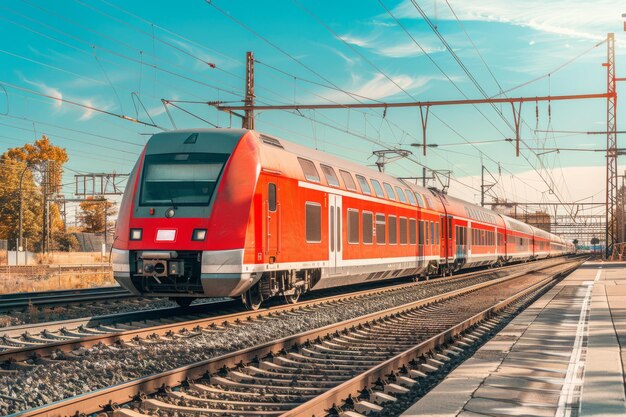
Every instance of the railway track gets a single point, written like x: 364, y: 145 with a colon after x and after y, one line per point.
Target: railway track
x: 18, y: 301
x: 298, y: 371
x: 30, y: 342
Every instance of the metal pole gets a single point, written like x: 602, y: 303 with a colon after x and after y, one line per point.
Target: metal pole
x: 248, y: 120
x: 611, y: 149
x: 482, y: 186
x: 20, y: 227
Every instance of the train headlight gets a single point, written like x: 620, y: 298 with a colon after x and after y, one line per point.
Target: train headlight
x: 135, y: 234
x: 198, y: 234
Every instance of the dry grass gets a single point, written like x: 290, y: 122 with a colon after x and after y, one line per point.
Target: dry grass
x: 53, y: 280
x: 67, y: 258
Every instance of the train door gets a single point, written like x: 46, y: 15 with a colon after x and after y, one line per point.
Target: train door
x: 273, y: 222
x: 335, y: 243
x: 450, y: 239
x: 443, y: 241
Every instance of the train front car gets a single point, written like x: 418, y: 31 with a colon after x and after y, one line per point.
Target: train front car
x: 183, y: 220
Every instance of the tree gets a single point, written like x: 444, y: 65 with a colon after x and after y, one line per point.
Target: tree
x: 92, y: 215
x: 575, y: 242
x: 31, y: 160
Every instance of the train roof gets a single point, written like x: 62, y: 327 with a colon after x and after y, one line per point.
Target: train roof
x: 275, y: 154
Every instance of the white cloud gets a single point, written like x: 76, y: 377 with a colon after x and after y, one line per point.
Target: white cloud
x: 385, y: 44
x: 574, y: 18
x: 406, y: 50
x: 379, y: 87
x: 353, y: 40
x: 46, y: 89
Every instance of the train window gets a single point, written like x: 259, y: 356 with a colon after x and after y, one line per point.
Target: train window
x: 420, y: 201
x: 400, y: 194
x: 432, y: 233
x: 390, y: 193
x: 421, y: 232
x: 310, y: 172
x: 380, y: 229
x: 353, y: 226
x: 271, y: 196
x: 348, y: 180
x: 365, y: 187
x: 403, y: 234
x: 437, y: 233
x: 393, y: 230
x: 331, y: 177
x: 378, y: 190
x: 410, y: 196
x: 366, y: 227
x: 449, y: 227
x: 313, y: 222
x: 412, y: 231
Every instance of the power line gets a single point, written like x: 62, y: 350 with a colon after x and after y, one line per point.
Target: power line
x: 84, y: 106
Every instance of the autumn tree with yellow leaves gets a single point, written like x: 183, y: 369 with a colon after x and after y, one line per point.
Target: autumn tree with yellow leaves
x: 31, y: 161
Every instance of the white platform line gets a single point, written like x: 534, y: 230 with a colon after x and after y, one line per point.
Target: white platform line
x: 573, y: 379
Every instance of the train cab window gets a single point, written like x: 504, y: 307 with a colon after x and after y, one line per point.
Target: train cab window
x: 380, y: 229
x: 367, y: 230
x: 378, y: 190
x: 400, y: 194
x: 412, y: 231
x: 271, y: 196
x: 313, y: 222
x: 421, y: 232
x: 183, y: 179
x: 393, y: 230
x: 403, y: 231
x: 390, y: 193
x: 331, y: 177
x: 310, y: 172
x: 353, y: 226
x: 365, y: 187
x: 348, y: 180
x: 411, y: 197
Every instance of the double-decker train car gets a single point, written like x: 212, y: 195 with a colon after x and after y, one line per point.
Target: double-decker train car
x: 229, y: 213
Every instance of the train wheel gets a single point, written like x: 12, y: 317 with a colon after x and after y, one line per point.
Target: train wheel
x: 252, y: 298
x: 293, y: 298
x: 183, y: 302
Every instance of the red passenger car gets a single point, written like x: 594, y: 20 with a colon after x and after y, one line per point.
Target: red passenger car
x: 228, y: 213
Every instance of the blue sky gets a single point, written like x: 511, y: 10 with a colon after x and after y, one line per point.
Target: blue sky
x: 124, y: 57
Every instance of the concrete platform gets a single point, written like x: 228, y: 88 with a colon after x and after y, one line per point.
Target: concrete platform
x: 560, y: 357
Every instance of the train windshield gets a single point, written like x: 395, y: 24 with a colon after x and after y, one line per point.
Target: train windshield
x: 180, y: 178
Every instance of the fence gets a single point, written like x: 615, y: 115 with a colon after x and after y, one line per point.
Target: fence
x: 26, y: 278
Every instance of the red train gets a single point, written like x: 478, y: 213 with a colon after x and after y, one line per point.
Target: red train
x: 229, y: 213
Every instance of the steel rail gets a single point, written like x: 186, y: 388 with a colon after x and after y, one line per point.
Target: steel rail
x: 43, y: 350
x: 14, y: 301
x: 319, y: 405
x: 92, y: 402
